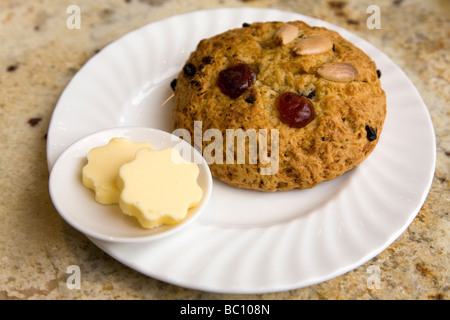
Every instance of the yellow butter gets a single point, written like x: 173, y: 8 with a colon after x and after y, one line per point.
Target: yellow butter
x: 158, y: 187
x: 101, y: 171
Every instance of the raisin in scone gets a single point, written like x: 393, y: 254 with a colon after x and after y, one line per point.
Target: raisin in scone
x: 313, y: 99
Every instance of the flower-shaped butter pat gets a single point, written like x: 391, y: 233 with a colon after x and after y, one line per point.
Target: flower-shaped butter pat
x: 101, y: 171
x: 158, y: 187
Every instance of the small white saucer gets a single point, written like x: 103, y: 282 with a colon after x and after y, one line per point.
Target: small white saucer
x: 77, y: 206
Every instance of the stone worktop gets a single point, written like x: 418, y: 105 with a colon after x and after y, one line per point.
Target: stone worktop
x: 38, y: 57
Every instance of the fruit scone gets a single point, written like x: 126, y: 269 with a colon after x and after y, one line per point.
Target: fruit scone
x: 313, y: 99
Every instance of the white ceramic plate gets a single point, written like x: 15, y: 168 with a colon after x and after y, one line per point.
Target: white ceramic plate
x: 248, y: 241
x: 76, y: 204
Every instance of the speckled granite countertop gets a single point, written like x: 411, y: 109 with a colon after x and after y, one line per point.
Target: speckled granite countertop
x: 38, y: 57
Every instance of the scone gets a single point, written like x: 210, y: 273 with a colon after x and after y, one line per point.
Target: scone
x: 313, y: 99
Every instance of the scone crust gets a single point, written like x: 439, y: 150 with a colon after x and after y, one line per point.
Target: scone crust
x: 333, y: 143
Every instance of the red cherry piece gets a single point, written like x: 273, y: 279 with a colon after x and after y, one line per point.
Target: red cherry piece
x: 295, y: 110
x: 235, y: 80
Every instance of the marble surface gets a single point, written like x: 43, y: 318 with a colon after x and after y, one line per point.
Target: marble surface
x: 38, y: 57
